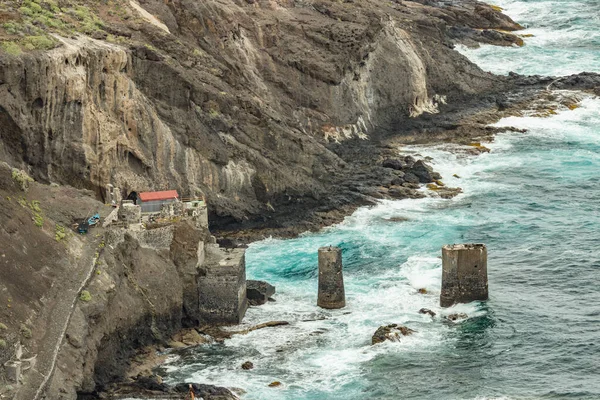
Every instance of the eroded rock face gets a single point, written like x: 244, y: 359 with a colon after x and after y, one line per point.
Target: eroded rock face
x: 392, y: 332
x: 225, y: 101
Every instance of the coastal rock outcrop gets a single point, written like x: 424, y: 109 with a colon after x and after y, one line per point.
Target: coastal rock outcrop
x: 392, y: 333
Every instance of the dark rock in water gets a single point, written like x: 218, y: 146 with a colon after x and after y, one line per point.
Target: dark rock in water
x: 448, y: 193
x: 391, y: 332
x: 393, y: 164
x: 398, y: 219
x: 207, y: 392
x: 457, y: 316
x: 258, y: 292
x: 422, y: 291
x: 248, y: 365
x: 427, y: 311
x: 423, y: 172
x: 275, y: 384
x: 410, y: 177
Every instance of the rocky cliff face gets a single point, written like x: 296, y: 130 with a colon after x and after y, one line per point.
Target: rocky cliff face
x: 239, y: 100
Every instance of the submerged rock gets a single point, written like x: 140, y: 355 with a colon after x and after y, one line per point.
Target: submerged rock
x: 248, y: 365
x: 275, y: 384
x: 427, y: 311
x: 258, y: 292
x: 392, y: 332
x: 457, y: 316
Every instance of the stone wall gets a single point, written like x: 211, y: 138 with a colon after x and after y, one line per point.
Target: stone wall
x: 157, y: 238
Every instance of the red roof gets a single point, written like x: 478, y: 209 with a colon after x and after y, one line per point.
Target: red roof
x: 155, y: 196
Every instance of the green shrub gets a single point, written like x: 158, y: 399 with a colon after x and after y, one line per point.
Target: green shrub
x: 23, y: 202
x: 41, y: 42
x: 59, y: 233
x: 3, y: 327
x: 35, y: 206
x: 35, y: 7
x: 25, y: 332
x: 2, y: 344
x: 12, y: 28
x: 27, y: 11
x: 11, y: 48
x: 21, y: 177
x: 85, y: 296
x: 38, y: 220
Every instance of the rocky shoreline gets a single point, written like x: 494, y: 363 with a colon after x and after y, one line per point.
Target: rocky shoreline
x: 222, y: 103
x: 365, y: 181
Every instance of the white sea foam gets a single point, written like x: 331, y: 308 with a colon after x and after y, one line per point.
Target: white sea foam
x: 563, y: 42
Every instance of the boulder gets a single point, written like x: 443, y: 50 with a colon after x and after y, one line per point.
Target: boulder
x: 258, y: 292
x: 409, y: 160
x: 248, y: 365
x: 410, y: 177
x: 398, y: 181
x: 457, y: 316
x: 391, y: 332
x: 424, y: 172
x: 427, y: 311
x: 393, y: 164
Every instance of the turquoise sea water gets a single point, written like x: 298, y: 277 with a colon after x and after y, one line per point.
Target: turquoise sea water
x: 533, y: 200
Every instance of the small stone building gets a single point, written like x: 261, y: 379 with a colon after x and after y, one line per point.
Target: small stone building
x: 153, y: 202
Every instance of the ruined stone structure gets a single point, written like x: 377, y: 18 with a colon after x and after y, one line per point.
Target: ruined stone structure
x: 222, y: 288
x: 130, y: 213
x: 331, y: 279
x: 464, y: 274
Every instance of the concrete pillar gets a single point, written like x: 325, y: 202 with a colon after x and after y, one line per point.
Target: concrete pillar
x: 464, y: 274
x: 331, y: 279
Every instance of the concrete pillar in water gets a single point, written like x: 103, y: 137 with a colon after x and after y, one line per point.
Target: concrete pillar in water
x: 464, y: 274
x: 331, y: 279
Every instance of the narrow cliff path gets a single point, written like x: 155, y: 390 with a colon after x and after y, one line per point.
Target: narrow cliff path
x: 57, y: 311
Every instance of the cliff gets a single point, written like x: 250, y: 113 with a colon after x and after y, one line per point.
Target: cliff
x: 278, y: 111
x: 243, y: 101
x: 77, y: 307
